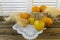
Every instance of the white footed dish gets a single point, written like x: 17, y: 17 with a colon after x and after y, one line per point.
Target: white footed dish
x: 28, y: 32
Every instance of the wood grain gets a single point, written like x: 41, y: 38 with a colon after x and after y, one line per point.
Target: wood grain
x: 10, y: 34
x: 11, y: 37
x: 7, y: 33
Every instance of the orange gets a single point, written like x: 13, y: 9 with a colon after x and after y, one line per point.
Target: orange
x: 35, y: 9
x: 48, y: 21
x: 42, y: 8
x: 25, y: 15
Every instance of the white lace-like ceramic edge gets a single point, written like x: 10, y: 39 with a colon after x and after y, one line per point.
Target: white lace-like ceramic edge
x: 26, y: 36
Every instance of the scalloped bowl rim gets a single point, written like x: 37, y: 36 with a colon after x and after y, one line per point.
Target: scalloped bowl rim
x: 36, y: 35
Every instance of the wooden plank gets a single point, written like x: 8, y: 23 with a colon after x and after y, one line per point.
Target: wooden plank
x: 49, y: 31
x: 10, y: 34
x: 50, y: 36
x: 55, y: 26
x: 11, y: 37
x: 6, y: 25
x: 9, y: 25
x: 20, y: 37
x: 47, y: 39
x: 8, y: 31
x: 52, y: 30
x: 1, y: 18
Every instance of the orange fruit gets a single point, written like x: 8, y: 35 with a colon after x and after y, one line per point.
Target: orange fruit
x: 48, y: 21
x: 25, y: 15
x: 42, y: 8
x: 35, y: 9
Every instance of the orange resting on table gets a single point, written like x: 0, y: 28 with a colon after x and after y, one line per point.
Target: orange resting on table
x: 42, y: 8
x: 48, y: 21
x: 35, y: 9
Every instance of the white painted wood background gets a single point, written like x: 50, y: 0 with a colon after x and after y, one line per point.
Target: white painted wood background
x: 7, y: 7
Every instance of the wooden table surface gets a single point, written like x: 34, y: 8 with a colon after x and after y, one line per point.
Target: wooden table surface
x: 7, y: 33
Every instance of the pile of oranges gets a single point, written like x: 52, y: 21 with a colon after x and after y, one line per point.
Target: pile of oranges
x: 39, y: 9
x: 38, y: 24
x: 45, y: 21
x: 34, y: 9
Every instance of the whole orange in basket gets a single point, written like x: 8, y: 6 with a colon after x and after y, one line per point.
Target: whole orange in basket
x: 48, y: 21
x: 25, y: 15
x: 35, y: 9
x: 42, y: 8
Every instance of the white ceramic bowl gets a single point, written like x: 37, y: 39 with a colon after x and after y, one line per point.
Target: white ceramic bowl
x: 28, y: 32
